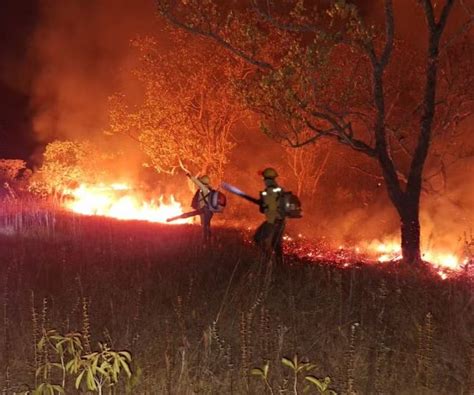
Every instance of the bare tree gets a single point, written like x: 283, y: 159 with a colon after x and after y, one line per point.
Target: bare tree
x: 327, y: 73
x: 308, y: 164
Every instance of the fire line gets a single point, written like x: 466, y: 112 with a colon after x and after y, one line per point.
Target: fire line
x: 118, y: 201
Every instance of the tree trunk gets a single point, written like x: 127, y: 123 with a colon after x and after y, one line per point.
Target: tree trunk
x: 408, y: 206
x: 410, y: 230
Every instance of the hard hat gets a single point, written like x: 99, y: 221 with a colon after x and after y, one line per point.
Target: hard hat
x: 269, y: 172
x: 205, y: 179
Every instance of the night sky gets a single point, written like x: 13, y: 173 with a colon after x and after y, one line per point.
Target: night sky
x: 59, y: 63
x: 17, y: 23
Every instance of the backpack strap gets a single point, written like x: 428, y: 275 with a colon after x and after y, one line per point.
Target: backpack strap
x: 206, y: 196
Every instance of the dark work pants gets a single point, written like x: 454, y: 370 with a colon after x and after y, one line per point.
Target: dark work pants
x: 206, y: 217
x: 269, y: 237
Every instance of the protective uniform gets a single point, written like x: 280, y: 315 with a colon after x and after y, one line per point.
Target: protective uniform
x: 269, y: 234
x: 200, y: 202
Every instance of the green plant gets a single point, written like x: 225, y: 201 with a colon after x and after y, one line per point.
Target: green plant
x: 100, y: 369
x: 297, y: 366
x: 263, y: 373
x: 51, y: 341
x: 48, y: 389
x: 96, y: 369
x: 63, y: 346
x: 321, y: 385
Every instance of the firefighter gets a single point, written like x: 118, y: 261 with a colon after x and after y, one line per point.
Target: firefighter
x: 200, y: 202
x: 269, y: 234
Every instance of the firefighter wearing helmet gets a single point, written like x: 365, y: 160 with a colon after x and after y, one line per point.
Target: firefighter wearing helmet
x: 200, y: 202
x: 269, y: 234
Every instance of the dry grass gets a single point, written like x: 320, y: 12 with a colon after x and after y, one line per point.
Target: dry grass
x: 197, y: 320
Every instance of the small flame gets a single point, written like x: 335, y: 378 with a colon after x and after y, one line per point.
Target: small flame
x: 444, y: 263
x: 442, y: 274
x: 443, y: 260
x: 102, y: 200
x: 391, y: 251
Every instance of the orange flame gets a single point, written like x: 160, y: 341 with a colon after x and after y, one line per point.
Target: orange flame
x: 441, y: 260
x: 103, y: 200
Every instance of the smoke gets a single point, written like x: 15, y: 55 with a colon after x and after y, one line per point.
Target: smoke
x: 82, y: 55
x: 448, y: 217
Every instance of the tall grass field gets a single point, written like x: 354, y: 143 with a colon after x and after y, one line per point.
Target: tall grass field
x: 182, y: 319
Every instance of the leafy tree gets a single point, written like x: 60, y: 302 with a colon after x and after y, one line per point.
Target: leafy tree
x: 13, y: 175
x: 188, y: 113
x: 328, y: 72
x: 10, y: 169
x: 66, y: 164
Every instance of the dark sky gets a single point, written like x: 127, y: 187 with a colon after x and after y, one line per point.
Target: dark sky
x: 59, y: 62
x: 18, y: 20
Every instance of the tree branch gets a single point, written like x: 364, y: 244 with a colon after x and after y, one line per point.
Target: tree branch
x: 444, y: 15
x: 381, y: 147
x: 339, y: 133
x: 429, y: 14
x: 429, y: 96
x: 337, y: 130
x: 214, y: 36
x: 402, y: 177
x: 290, y: 27
x: 389, y: 33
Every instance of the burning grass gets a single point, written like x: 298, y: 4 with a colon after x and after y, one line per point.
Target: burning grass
x: 199, y: 320
x: 122, y: 202
x: 445, y: 264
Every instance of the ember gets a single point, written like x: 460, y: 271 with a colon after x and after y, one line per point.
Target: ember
x: 119, y: 201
